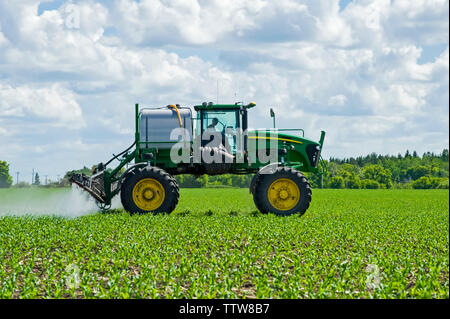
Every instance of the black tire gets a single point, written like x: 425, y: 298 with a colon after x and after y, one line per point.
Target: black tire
x: 264, y: 181
x: 124, y: 184
x: 168, y: 183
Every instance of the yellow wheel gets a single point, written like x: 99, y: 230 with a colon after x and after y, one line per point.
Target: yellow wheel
x: 283, y: 194
x: 149, y: 190
x: 148, y: 194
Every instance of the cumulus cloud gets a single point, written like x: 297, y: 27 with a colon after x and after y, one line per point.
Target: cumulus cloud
x: 195, y: 22
x: 54, y: 105
x: 338, y: 100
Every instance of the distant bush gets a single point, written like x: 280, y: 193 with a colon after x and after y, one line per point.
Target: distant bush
x: 188, y: 181
x: 406, y: 185
x: 422, y: 183
x: 22, y: 185
x: 337, y: 182
x: 220, y: 186
x: 443, y: 184
x: 370, y: 184
x: 426, y: 182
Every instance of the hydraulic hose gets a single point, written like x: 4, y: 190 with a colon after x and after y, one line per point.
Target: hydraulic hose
x: 116, y: 156
x: 183, y: 134
x: 178, y: 113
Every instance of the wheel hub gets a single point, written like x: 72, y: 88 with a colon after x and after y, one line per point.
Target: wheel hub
x: 283, y: 194
x: 148, y: 194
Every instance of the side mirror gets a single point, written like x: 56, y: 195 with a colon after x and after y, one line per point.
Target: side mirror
x: 272, y: 115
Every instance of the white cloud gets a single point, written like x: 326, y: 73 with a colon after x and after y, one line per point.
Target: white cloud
x: 183, y: 21
x: 337, y: 100
x: 54, y: 105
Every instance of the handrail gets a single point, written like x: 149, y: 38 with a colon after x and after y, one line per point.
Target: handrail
x: 288, y: 129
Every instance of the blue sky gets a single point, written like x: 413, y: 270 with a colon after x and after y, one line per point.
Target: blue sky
x: 372, y: 73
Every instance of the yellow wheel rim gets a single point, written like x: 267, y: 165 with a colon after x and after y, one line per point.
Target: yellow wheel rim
x: 283, y: 194
x: 148, y: 194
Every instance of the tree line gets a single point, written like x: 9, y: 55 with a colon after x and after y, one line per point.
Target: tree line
x: 410, y: 170
x: 387, y: 171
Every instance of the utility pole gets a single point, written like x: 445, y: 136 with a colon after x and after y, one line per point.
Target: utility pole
x: 32, y: 177
x: 45, y: 179
x: 17, y: 178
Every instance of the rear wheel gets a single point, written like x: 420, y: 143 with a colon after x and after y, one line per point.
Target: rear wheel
x: 150, y: 190
x: 284, y: 192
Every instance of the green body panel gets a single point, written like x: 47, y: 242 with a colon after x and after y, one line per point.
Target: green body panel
x: 295, y: 146
x: 291, y: 149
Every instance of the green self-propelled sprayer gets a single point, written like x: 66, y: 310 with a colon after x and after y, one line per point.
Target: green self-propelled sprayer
x: 170, y: 141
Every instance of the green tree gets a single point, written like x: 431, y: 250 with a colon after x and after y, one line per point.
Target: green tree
x: 444, y: 155
x: 419, y: 171
x: 37, y: 180
x: 348, y: 170
x: 379, y: 174
x: 5, y: 179
x: 353, y: 182
x: 337, y: 182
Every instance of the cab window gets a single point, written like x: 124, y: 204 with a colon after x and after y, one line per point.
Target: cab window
x: 224, y: 122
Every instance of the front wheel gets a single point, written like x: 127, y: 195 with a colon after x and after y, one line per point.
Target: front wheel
x: 150, y: 190
x: 284, y: 192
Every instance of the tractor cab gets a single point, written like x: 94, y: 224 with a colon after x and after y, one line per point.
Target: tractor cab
x: 222, y: 124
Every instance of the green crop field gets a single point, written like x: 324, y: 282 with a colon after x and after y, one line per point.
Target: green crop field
x: 349, y: 244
